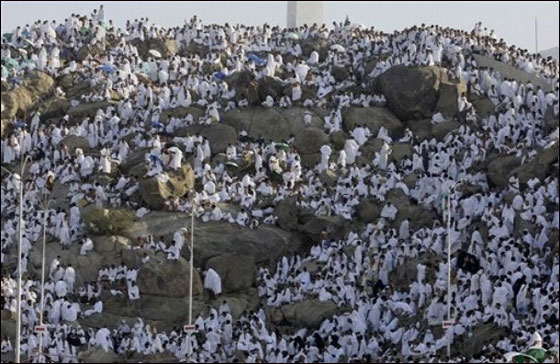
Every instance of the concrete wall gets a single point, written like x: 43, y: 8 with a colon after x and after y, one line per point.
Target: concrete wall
x: 304, y: 12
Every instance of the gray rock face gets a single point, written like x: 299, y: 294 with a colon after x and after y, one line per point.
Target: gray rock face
x: 372, y: 117
x: 219, y: 135
x: 368, y: 211
x: 73, y: 142
x: 266, y: 243
x: 107, y: 221
x: 538, y: 167
x: 310, y: 140
x: 155, y: 193
x: 308, y: 313
x: 181, y: 112
x: 287, y: 213
x: 162, y: 277
x: 412, y: 92
x: 80, y: 112
x: 20, y: 100
x: 166, y: 48
x: 449, y: 92
x: 500, y: 167
x: 332, y: 225
x: 271, y: 123
x: 236, y: 271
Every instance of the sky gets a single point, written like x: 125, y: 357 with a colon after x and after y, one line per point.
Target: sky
x: 513, y: 21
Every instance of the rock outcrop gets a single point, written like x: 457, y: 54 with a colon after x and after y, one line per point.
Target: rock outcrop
x: 238, y: 272
x: 20, y: 100
x: 219, y: 135
x: 155, y: 192
x: 308, y: 313
x: 265, y: 243
x: 372, y: 117
x: 417, y: 92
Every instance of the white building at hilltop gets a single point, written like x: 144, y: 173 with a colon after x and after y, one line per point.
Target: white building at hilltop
x: 304, y: 12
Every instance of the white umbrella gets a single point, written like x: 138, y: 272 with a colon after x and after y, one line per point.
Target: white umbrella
x: 338, y: 48
x: 174, y: 150
x: 292, y: 35
x: 154, y: 53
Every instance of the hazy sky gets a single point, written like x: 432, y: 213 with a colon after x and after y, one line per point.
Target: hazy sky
x: 513, y: 21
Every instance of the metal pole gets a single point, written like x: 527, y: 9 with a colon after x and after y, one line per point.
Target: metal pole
x: 20, y: 230
x: 536, y: 37
x: 191, y: 263
x: 449, y: 273
x: 45, y: 207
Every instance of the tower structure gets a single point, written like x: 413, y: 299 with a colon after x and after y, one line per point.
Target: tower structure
x: 304, y: 12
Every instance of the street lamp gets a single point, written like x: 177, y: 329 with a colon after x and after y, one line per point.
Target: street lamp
x: 20, y: 239
x: 45, y: 206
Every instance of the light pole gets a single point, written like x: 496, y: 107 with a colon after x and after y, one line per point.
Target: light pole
x: 449, y: 332
x: 20, y: 239
x: 45, y: 206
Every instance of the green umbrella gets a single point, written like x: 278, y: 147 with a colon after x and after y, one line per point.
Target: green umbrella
x: 84, y: 31
x: 538, y: 353
x: 12, y: 63
x: 27, y: 42
x: 232, y: 164
x: 7, y: 36
x: 5, y: 72
x: 282, y: 146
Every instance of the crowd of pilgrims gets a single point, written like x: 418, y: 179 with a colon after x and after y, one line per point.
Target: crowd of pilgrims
x: 512, y: 281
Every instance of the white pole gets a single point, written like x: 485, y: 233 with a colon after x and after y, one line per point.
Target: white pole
x: 536, y: 37
x: 20, y: 224
x: 191, y: 263
x: 449, y: 273
x: 191, y: 277
x: 45, y: 207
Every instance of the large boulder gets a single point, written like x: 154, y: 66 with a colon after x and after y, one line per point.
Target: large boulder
x: 500, y: 167
x: 274, y: 124
x: 368, y: 210
x: 96, y: 354
x: 320, y: 45
x: 90, y: 50
x: 332, y: 225
x: 287, y: 213
x: 219, y: 135
x: 412, y: 92
x: 74, y: 141
x: 265, y: 243
x: 483, y: 106
x: 166, y: 48
x: 160, y: 276
x: 310, y: 140
x: 401, y: 151
x: 511, y: 71
x: 107, y: 221
x: 309, y: 313
x: 181, y: 112
x: 372, y: 117
x: 22, y: 99
x: 80, y: 112
x: 270, y: 86
x: 135, y: 164
x: 538, y: 167
x: 155, y: 192
x: 86, y: 267
x: 236, y: 271
x: 449, y: 93
x: 54, y: 107
x: 550, y: 120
